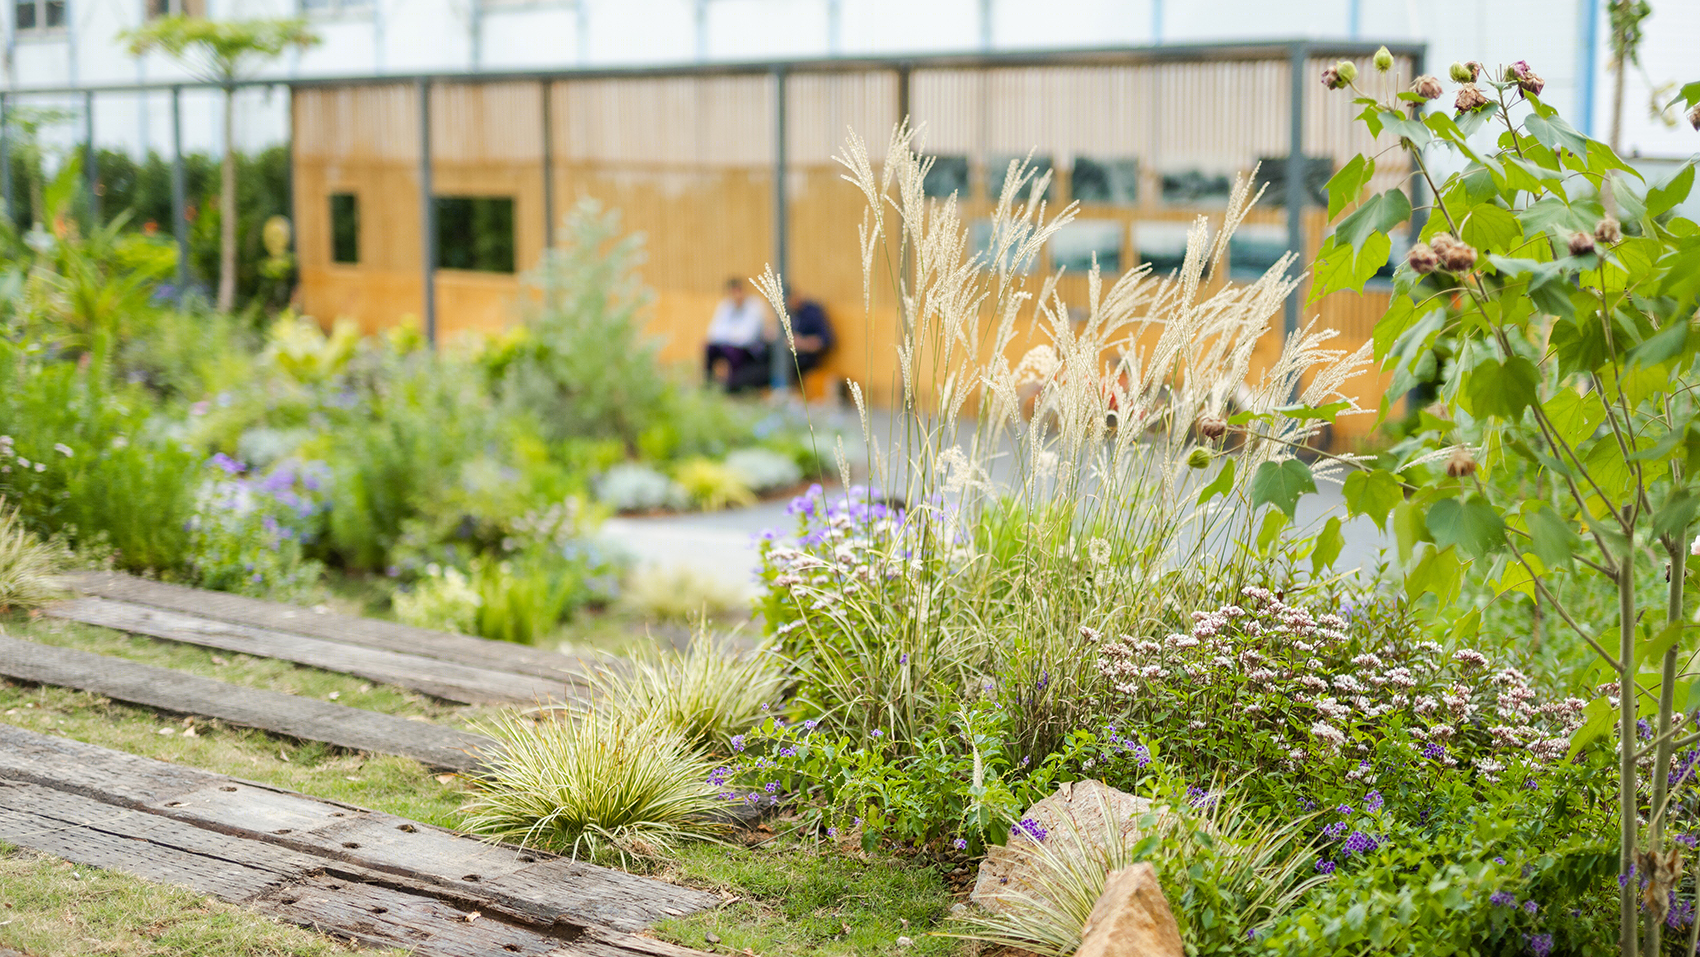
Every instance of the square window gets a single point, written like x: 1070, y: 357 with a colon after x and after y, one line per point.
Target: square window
x: 982, y: 241
x: 54, y: 11
x: 1162, y: 244
x: 475, y: 233
x: 1074, y: 246
x: 345, y: 228
x: 946, y: 176
x: 1195, y: 187
x: 1272, y: 171
x: 997, y: 170
x: 26, y: 15
x: 1254, y: 248
x: 1097, y: 180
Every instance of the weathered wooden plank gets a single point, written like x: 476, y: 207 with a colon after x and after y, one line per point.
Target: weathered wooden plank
x: 522, y: 883
x: 467, y: 684
x: 347, y: 629
x: 298, y: 717
x: 292, y: 886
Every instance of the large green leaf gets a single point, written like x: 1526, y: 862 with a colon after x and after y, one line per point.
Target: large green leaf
x: 1344, y: 186
x: 1661, y: 199
x: 1551, y: 538
x: 1597, y: 719
x: 1329, y: 542
x: 1503, y: 389
x: 1469, y: 523
x: 1490, y: 228
x: 1340, y: 267
x: 1438, y: 572
x: 1374, y: 494
x: 1554, y: 133
x: 1676, y: 514
x: 1281, y: 484
x: 1378, y: 214
x: 1574, y: 415
x: 1223, y: 484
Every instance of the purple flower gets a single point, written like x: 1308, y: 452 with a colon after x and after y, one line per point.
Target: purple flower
x: 1373, y: 802
x: 787, y: 752
x: 960, y: 844
x: 1503, y: 899
x: 1689, y: 840
x: 1031, y: 829
x: 719, y: 776
x: 832, y: 832
x: 903, y: 659
x: 771, y: 787
x: 1359, y: 843
x: 738, y: 743
x: 810, y: 724
x: 1499, y: 860
x: 1345, y: 809
x: 1624, y: 879
x: 227, y: 464
x: 877, y: 733
x: 1333, y: 831
x: 1529, y: 907
x: 1324, y: 867
x: 1539, y: 944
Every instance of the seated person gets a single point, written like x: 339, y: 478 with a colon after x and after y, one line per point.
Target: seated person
x: 737, y: 355
x: 810, y: 329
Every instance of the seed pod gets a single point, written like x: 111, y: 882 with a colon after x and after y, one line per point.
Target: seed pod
x: 1383, y: 60
x: 1442, y: 242
x: 1347, y: 69
x: 1531, y: 83
x: 1427, y: 87
x: 1423, y: 258
x: 1462, y: 464
x: 1212, y: 427
x: 1581, y: 244
x: 1199, y: 459
x: 1470, y: 98
x: 1460, y: 73
x: 1694, y: 116
x: 1331, y: 78
x: 1608, y: 232
x: 1458, y: 257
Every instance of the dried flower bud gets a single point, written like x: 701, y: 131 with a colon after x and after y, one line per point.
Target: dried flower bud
x: 1694, y: 116
x: 1531, y: 84
x: 1581, y: 244
x: 1461, y: 464
x: 1212, y: 427
x: 1423, y: 258
x: 1331, y: 78
x: 1470, y: 98
x: 1347, y: 69
x: 1199, y: 459
x: 1462, y: 73
x: 1383, y: 60
x: 1455, y: 256
x: 1427, y: 87
x: 1608, y: 232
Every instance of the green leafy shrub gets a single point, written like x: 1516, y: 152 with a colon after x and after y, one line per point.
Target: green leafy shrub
x: 712, y: 485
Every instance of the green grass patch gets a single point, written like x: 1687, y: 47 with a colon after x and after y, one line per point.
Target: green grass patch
x: 52, y: 908
x: 806, y: 900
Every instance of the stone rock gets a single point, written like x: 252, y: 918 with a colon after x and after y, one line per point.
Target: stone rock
x: 1131, y: 919
x: 1080, y: 819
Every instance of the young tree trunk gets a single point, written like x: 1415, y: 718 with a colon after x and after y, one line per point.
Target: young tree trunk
x: 1629, y: 830
x: 227, y: 209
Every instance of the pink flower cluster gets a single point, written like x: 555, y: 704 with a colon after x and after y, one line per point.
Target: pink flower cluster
x: 1321, y: 689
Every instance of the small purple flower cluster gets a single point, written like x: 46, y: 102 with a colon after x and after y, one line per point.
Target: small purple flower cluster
x: 1539, y: 944
x: 1031, y: 830
x: 1358, y: 843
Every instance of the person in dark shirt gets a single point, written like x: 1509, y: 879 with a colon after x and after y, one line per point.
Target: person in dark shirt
x: 811, y: 329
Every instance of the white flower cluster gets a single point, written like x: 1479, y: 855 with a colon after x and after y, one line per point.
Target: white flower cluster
x: 9, y: 457
x: 1281, y: 667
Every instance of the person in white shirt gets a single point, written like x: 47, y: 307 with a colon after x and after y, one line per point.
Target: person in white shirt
x: 736, y: 355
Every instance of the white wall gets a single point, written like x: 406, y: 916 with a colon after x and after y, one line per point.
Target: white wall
x: 406, y: 36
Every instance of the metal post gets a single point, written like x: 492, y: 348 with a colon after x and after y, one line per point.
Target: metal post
x: 91, y: 162
x: 6, y: 155
x: 781, y: 359
x: 1419, y: 189
x: 427, y: 214
x: 548, y: 166
x: 1300, y: 52
x: 179, y: 196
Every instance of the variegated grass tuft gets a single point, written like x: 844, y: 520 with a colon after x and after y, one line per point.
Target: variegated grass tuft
x: 707, y: 693
x: 27, y: 564
x: 599, y: 784
x: 1257, y: 868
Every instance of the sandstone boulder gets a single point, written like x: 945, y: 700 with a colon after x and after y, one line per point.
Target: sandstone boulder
x: 1078, y: 821
x: 1131, y: 919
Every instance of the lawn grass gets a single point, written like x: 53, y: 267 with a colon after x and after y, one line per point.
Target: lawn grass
x: 789, y: 896
x: 51, y: 908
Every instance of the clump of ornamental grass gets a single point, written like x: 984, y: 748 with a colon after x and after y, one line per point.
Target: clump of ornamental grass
x: 1056, y: 461
x: 1227, y: 874
x: 706, y: 694
x: 678, y: 594
x: 603, y: 783
x: 27, y: 564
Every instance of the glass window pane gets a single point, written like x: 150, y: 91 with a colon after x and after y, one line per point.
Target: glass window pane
x: 1197, y: 188
x: 1253, y: 248
x: 26, y: 15
x: 1097, y: 180
x: 476, y: 233
x: 997, y: 168
x: 947, y: 175
x: 1074, y: 246
x: 345, y: 228
x: 1272, y: 170
x: 1162, y: 244
x: 55, y: 13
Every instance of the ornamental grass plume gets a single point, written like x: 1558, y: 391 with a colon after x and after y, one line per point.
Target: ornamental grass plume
x: 1028, y: 426
x: 27, y: 564
x: 598, y: 784
x: 707, y: 693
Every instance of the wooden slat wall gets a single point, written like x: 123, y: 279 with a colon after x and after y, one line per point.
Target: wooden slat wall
x: 688, y: 162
